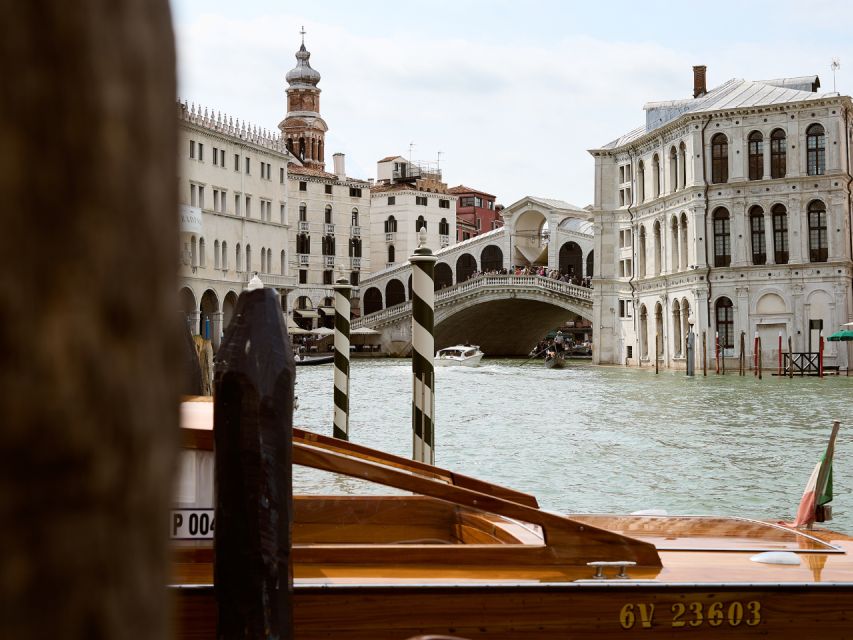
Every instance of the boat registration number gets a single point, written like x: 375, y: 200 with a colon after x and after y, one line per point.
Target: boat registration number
x: 191, y: 524
x: 691, y: 614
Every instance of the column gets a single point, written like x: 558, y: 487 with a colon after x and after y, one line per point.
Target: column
x: 768, y: 237
x: 423, y: 352
x: 738, y: 227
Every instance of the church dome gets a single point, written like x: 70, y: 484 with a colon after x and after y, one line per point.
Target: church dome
x: 302, y: 73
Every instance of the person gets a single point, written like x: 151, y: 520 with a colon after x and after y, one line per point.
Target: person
x: 558, y: 341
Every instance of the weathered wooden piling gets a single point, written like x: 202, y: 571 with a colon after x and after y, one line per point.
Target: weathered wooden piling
x: 89, y: 336
x: 758, y: 357
x: 790, y: 357
x: 717, y: 352
x: 779, y: 365
x: 704, y: 355
x: 340, y: 428
x: 657, y: 351
x: 252, y: 422
x: 423, y: 352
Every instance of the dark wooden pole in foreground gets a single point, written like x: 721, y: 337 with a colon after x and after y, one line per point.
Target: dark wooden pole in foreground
x: 252, y: 423
x: 89, y: 339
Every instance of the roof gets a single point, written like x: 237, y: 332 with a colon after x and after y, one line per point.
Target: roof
x: 556, y: 204
x: 460, y: 189
x: 293, y: 169
x: 733, y: 94
x: 389, y: 158
x: 401, y: 186
x: 579, y: 226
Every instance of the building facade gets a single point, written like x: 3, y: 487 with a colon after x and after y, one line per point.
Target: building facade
x: 234, y: 215
x: 725, y: 214
x: 476, y: 212
x: 406, y: 197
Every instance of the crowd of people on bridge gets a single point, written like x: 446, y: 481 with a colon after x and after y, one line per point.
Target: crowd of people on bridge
x: 536, y: 271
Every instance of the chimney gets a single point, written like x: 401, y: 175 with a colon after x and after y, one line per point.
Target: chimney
x: 340, y: 171
x: 699, y: 80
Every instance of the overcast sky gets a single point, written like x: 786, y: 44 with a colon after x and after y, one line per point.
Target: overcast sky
x: 512, y: 93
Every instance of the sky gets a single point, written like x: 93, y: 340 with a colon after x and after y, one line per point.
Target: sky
x: 512, y: 94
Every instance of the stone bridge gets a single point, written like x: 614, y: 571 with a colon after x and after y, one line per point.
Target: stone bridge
x: 505, y: 315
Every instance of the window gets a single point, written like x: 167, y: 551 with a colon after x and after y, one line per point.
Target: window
x: 673, y: 170
x: 303, y: 212
x: 355, y: 192
x: 621, y: 174
x: 238, y: 254
x: 755, y: 146
x: 237, y: 199
x: 248, y: 166
x: 224, y: 255
x: 303, y: 186
x: 328, y: 245
x: 467, y: 201
x: 215, y: 156
x: 780, y: 234
x: 354, y: 217
x: 443, y: 204
x: 283, y: 259
x: 303, y: 243
x: 200, y: 152
x: 818, y: 247
x: 328, y: 277
x: 444, y: 227
x: 655, y: 176
x: 390, y: 225
x: 281, y: 214
x: 192, y: 149
x: 248, y: 207
x: 236, y: 162
x: 725, y: 323
x: 216, y: 199
x: 420, y: 223
x: 392, y: 199
x: 421, y: 200
x: 303, y: 276
x: 201, y: 257
x: 327, y: 215
x: 390, y: 253
x: 281, y: 175
x: 479, y: 223
x: 816, y: 150
x: 353, y: 278
x: 722, y: 238
x: 201, y: 197
x: 328, y: 189
x: 355, y: 248
x: 478, y: 201
x: 777, y: 154
x: 216, y: 254
x: 756, y: 229
x: 193, y: 195
x: 719, y: 159
x: 641, y: 182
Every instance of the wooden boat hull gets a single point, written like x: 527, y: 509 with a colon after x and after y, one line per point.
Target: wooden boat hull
x: 557, y: 362
x: 528, y: 611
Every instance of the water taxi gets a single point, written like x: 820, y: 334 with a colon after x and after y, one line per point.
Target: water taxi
x: 465, y: 355
x: 430, y: 551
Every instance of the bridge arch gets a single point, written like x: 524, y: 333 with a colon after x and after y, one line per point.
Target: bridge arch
x: 395, y: 293
x: 571, y: 259
x: 443, y: 275
x: 491, y: 258
x: 208, y: 307
x: 466, y: 265
x: 372, y: 300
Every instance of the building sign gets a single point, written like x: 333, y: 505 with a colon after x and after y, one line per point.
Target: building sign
x: 191, y: 524
x: 190, y: 219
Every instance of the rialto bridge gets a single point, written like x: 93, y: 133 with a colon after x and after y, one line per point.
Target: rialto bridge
x: 505, y: 315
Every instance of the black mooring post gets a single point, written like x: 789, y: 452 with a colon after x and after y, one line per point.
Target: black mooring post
x: 252, y: 422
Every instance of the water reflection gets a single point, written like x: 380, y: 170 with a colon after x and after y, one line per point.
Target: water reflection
x: 610, y: 439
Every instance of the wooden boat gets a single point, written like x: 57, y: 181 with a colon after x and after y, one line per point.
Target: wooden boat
x: 449, y: 554
x: 555, y: 360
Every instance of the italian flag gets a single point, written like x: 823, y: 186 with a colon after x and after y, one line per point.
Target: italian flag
x: 819, y: 487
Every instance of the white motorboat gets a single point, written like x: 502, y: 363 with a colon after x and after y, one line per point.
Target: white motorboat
x: 465, y: 355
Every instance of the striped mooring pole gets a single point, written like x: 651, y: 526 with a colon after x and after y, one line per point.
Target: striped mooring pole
x: 342, y: 318
x: 423, y: 350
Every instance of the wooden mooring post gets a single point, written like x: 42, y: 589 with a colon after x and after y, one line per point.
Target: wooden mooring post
x: 252, y: 426
x: 758, y: 357
x: 741, y: 361
x: 790, y: 357
x: 704, y: 355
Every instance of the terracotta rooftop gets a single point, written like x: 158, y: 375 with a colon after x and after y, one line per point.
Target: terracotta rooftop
x: 389, y: 158
x: 460, y: 189
x: 401, y: 186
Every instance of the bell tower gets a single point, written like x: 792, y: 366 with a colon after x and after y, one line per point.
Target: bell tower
x: 302, y: 129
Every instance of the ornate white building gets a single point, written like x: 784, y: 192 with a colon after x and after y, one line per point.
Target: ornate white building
x: 727, y: 212
x: 234, y: 215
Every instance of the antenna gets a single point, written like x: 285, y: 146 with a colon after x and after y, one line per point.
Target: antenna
x: 411, y: 146
x: 438, y: 162
x: 835, y: 66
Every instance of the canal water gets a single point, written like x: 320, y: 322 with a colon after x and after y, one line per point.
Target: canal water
x: 608, y: 439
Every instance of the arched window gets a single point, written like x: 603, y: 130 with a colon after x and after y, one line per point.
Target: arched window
x: 390, y: 225
x: 355, y: 247
x: 641, y: 251
x: 657, y: 253
x: 193, y: 252
x: 263, y: 259
x: 673, y: 170
x: 725, y: 318
x: 756, y: 231
x: 238, y: 258
x: 816, y: 150
x: 420, y: 223
x: 202, y: 260
x: 719, y: 159
x: 641, y: 182
x: 248, y: 257
x: 303, y: 243
x: 303, y: 212
x: 818, y: 247
x: 224, y: 255
x: 756, y: 155
x: 216, y: 255
x: 675, y: 255
x: 391, y: 254
x: 283, y: 258
x: 682, y: 157
x: 655, y: 176
x: 780, y: 234
x: 644, y: 332
x: 778, y: 153
x: 444, y: 227
x: 722, y: 238
x: 327, y: 215
x: 684, y: 249
x: 354, y: 219
x: 676, y: 328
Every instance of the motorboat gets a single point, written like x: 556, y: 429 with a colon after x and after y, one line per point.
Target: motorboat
x: 302, y: 360
x: 466, y: 355
x: 429, y: 551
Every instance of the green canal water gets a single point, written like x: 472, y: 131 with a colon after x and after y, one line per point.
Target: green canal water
x: 608, y: 439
